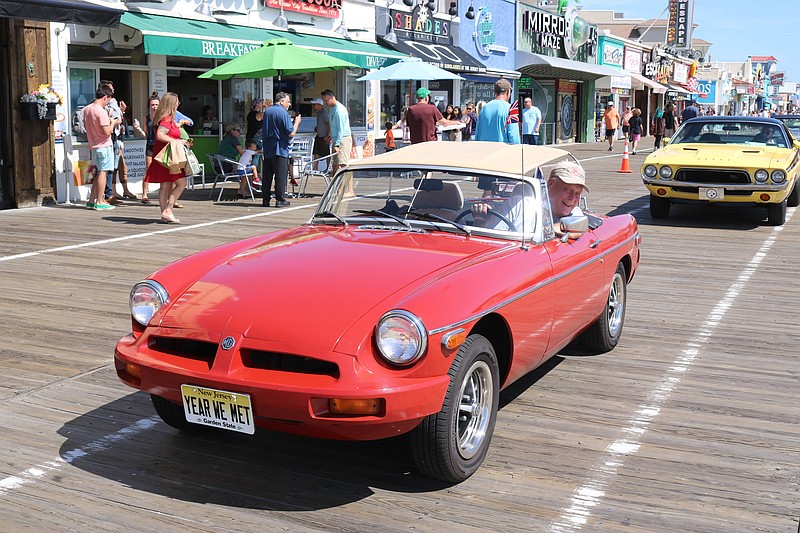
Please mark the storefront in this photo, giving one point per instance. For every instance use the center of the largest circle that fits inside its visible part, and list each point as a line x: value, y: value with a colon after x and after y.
x: 484, y: 38
x: 158, y: 53
x: 27, y: 166
x: 614, y: 89
x: 430, y: 36
x: 558, y: 55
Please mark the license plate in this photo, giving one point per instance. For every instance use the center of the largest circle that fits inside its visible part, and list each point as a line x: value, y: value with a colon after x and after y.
x: 712, y: 193
x: 218, y: 408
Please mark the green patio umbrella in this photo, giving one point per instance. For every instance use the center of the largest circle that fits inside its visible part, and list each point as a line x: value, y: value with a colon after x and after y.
x: 276, y: 57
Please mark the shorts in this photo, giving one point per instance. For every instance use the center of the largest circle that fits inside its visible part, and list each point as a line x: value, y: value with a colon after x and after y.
x: 610, y: 132
x: 148, y: 151
x: 635, y: 137
x: 342, y: 158
x: 103, y: 158
x: 249, y: 169
x: 321, y: 148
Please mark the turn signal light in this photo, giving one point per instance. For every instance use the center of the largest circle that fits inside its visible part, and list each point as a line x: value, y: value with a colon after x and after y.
x: 133, y: 370
x: 454, y: 339
x: 346, y: 406
x: 661, y: 191
x: 764, y: 197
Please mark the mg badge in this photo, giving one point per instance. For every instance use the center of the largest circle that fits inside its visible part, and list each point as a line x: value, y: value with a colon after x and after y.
x: 227, y: 343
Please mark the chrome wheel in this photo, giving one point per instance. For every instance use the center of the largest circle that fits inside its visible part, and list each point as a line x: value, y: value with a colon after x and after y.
x: 474, y: 409
x: 616, y: 305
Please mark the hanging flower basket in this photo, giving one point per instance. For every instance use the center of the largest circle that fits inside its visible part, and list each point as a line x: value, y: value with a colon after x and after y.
x: 40, y: 104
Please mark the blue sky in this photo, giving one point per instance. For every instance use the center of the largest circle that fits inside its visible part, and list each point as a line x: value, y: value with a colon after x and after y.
x: 738, y: 28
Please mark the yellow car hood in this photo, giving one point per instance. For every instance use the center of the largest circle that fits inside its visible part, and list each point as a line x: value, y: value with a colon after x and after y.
x: 722, y: 156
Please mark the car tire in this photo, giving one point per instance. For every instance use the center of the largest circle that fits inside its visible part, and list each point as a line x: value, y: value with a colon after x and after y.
x: 171, y: 413
x: 793, y: 200
x: 450, y: 445
x: 659, y: 207
x: 604, y: 334
x: 776, y: 214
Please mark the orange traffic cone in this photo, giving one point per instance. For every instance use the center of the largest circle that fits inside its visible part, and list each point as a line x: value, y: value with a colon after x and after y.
x: 626, y: 165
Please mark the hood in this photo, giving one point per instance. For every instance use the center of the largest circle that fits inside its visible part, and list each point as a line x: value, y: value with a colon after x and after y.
x: 729, y: 156
x: 307, y: 286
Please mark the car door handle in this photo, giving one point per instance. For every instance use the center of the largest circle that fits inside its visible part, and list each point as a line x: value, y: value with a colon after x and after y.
x: 595, y: 244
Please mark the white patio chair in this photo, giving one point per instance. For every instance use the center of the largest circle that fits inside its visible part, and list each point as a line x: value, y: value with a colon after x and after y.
x: 228, y: 170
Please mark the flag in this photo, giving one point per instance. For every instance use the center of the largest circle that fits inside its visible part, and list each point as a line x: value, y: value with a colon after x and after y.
x: 513, y: 113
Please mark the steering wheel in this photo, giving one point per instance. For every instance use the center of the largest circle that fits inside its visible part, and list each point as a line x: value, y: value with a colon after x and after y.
x: 511, y: 226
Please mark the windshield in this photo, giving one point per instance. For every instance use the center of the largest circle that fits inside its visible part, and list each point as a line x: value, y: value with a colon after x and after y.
x: 437, y: 200
x: 746, y: 133
x: 793, y: 124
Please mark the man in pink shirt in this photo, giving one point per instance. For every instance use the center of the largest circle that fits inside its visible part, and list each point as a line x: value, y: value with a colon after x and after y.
x: 99, y: 126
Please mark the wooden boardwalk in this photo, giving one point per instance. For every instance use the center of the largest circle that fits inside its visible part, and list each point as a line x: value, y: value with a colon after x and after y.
x: 691, y: 424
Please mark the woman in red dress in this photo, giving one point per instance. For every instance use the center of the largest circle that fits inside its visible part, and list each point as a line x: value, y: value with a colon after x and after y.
x: 172, y: 185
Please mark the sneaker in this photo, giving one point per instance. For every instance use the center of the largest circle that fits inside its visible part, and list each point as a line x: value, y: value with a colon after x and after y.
x: 103, y: 207
x: 282, y: 203
x: 610, y: 148
x: 633, y: 153
x: 257, y: 183
x: 90, y: 205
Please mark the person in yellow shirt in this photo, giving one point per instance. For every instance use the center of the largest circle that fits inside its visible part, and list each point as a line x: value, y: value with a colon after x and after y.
x: 611, y: 118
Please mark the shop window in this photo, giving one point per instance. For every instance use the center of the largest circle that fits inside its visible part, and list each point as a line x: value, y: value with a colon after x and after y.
x: 394, y: 99
x: 199, y: 99
x: 237, y: 97
x: 356, y: 101
x: 476, y: 91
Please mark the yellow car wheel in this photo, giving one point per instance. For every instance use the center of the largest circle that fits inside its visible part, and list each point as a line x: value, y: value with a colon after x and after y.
x: 776, y: 214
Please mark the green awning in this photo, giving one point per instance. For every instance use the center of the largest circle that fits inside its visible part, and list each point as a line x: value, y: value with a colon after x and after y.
x: 195, y: 38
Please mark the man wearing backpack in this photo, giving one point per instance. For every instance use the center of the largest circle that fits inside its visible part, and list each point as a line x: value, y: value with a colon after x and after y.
x: 99, y: 125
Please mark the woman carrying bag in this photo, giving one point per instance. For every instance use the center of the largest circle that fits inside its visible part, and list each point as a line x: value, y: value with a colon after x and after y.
x: 167, y: 133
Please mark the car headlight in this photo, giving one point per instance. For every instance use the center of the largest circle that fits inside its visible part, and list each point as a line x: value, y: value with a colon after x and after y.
x: 146, y: 299
x: 401, y: 338
x: 761, y: 175
x: 665, y: 172
x: 778, y: 176
x: 650, y: 171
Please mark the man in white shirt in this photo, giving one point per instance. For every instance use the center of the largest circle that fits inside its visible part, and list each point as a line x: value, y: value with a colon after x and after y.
x: 531, y: 121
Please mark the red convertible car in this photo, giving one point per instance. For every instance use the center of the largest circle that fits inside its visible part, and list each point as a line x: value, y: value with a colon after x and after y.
x: 392, y: 310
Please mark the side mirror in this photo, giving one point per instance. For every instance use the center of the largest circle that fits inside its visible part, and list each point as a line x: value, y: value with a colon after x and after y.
x: 574, y: 225
x: 796, y: 144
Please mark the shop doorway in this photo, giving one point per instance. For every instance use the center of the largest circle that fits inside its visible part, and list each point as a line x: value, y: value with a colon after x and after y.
x: 6, y: 163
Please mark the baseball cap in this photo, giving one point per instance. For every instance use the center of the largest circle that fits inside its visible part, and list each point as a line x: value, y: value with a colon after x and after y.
x: 571, y: 173
x: 233, y: 126
x: 317, y: 101
x: 610, y: 104
x: 422, y: 92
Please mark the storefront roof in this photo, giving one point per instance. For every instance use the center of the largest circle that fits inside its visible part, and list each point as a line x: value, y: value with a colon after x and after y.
x: 455, y: 58
x: 537, y: 65
x: 69, y: 11
x: 196, y: 38
x: 657, y: 87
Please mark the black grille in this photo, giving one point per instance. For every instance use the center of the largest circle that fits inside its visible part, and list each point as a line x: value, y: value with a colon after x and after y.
x: 713, y: 177
x: 187, y: 348
x: 288, y: 363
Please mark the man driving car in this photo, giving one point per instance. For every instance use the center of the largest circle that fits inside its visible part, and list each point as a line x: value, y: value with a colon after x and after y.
x: 566, y: 183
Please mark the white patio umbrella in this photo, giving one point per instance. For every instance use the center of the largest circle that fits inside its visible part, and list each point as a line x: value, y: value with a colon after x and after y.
x: 410, y: 68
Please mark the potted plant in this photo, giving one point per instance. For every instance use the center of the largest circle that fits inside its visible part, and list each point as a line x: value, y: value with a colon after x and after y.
x: 40, y: 103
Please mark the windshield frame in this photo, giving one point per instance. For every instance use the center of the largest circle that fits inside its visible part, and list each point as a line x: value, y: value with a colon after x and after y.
x: 401, y: 185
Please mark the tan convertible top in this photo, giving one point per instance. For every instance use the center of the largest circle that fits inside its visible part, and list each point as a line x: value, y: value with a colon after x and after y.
x: 477, y: 156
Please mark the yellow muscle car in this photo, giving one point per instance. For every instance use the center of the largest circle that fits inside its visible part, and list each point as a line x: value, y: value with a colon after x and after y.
x: 714, y: 159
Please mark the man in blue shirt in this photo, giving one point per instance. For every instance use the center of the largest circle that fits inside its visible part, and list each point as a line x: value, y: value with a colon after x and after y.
x: 531, y: 120
x: 277, y: 132
x: 691, y: 111
x: 341, y: 139
x: 494, y: 124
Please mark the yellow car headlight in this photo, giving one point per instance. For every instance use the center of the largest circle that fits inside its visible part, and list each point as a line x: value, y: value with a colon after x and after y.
x: 778, y: 176
x: 665, y: 172
x: 761, y: 175
x: 650, y: 171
